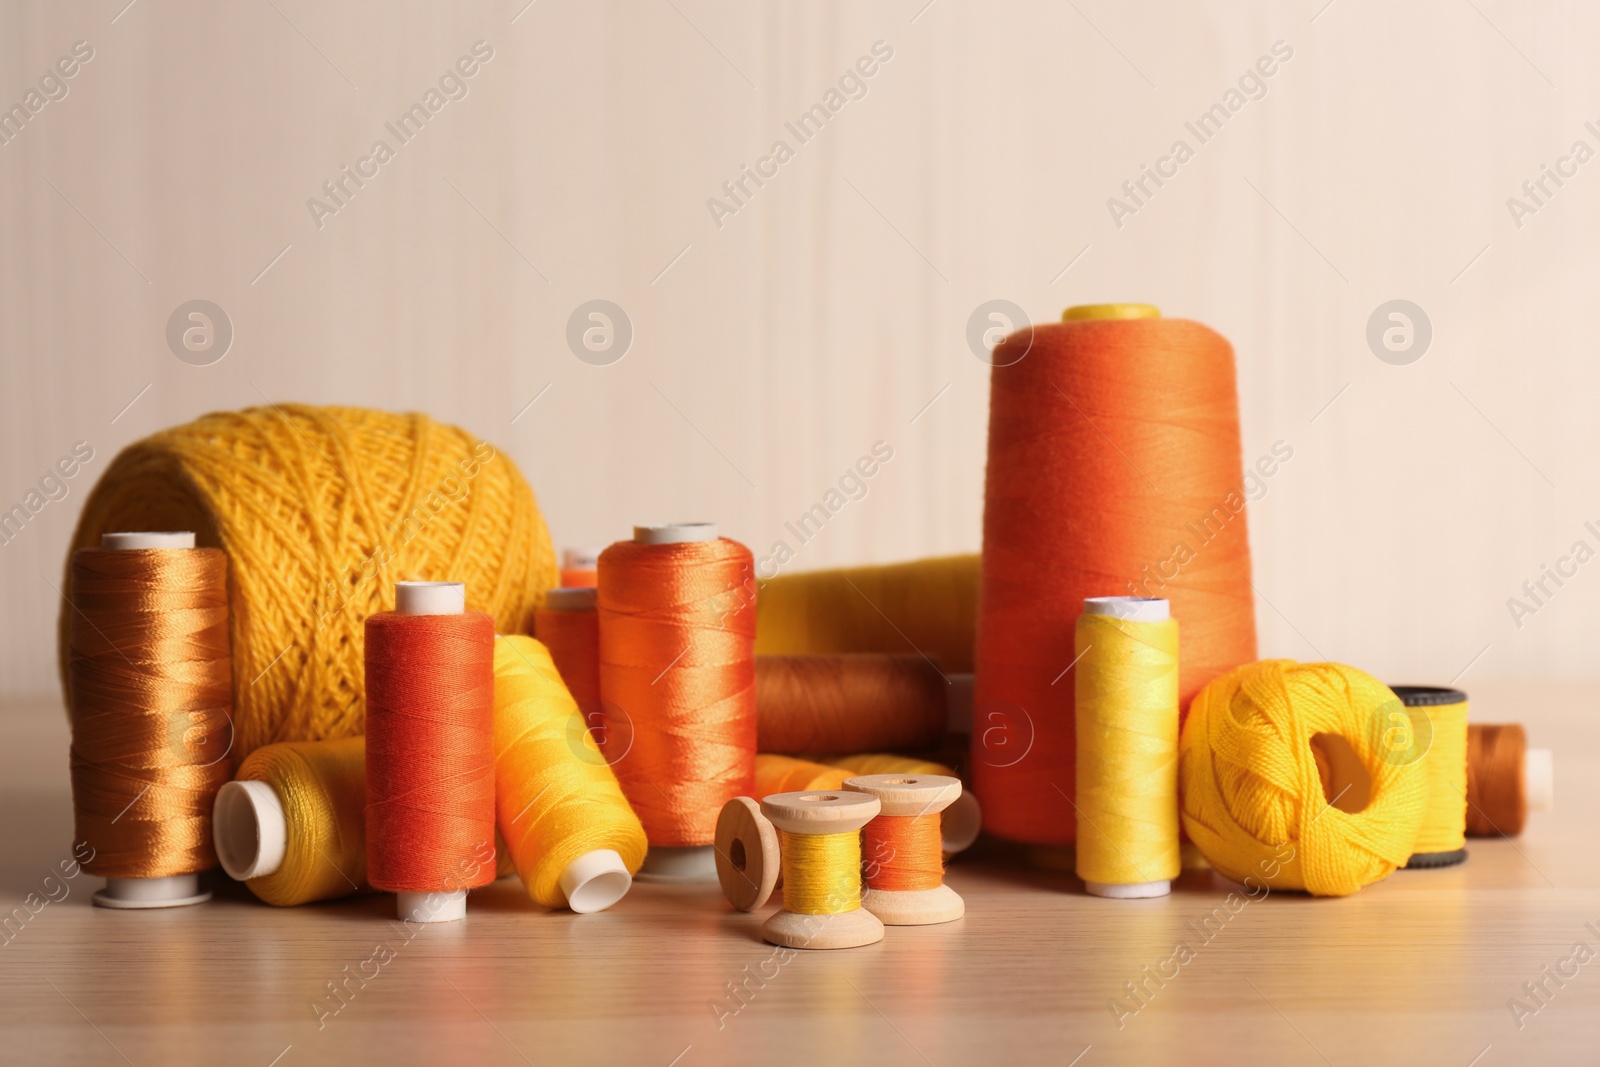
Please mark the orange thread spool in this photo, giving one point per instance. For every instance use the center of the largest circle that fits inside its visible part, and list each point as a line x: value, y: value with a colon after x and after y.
x: 568, y: 624
x: 579, y: 568
x: 677, y: 684
x: 849, y: 703
x: 1114, y: 468
x: 901, y: 859
x: 430, y: 750
x: 149, y: 693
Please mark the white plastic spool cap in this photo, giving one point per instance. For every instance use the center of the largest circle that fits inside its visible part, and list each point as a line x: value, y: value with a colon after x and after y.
x: 572, y: 598
x: 432, y: 907
x: 249, y: 829
x: 675, y: 533
x: 148, y: 539
x: 431, y: 598
x: 1539, y: 778
x: 595, y: 881
x: 580, y: 559
x: 180, y: 889
x: 1131, y: 609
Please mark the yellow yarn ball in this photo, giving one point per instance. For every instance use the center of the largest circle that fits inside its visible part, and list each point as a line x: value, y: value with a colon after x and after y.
x: 556, y: 798
x: 1290, y: 775
x: 321, y: 510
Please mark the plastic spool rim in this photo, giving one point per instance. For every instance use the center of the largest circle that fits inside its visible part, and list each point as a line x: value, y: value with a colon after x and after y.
x: 1129, y: 608
x: 1539, y: 779
x: 430, y: 598
x: 180, y: 889
x: 595, y: 881
x: 674, y: 533
x: 148, y: 539
x: 249, y: 830
x: 137, y: 894
x: 432, y: 907
x: 1137, y: 891
x: 580, y: 559
x: 696, y: 863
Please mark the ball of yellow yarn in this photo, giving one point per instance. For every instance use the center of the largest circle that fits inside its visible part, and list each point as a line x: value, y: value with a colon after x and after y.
x: 1290, y: 777
x: 555, y: 796
x: 321, y: 510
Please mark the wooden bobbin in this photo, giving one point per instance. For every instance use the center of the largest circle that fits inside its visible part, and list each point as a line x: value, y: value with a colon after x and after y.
x: 843, y: 812
x: 748, y: 860
x: 911, y: 795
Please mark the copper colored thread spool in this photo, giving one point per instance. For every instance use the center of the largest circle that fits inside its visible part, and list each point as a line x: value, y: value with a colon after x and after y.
x: 849, y: 703
x: 150, y: 685
x: 1505, y: 779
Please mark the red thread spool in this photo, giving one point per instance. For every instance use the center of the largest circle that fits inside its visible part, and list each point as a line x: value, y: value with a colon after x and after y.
x: 430, y: 750
x: 677, y: 684
x: 1111, y: 444
x: 568, y: 624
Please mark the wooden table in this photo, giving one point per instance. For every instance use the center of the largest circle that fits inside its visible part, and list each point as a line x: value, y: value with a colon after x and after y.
x: 1416, y: 970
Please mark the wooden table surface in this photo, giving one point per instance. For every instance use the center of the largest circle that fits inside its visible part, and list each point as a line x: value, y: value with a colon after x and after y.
x: 1416, y: 970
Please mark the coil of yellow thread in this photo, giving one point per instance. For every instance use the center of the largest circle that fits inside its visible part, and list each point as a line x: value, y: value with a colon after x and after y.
x: 818, y: 836
x: 575, y: 841
x: 1126, y: 700
x: 1288, y: 780
x: 785, y: 774
x: 293, y: 826
x: 821, y: 872
x: 1435, y: 728
x: 930, y: 603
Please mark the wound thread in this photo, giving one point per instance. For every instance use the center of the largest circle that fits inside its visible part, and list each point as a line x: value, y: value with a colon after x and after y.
x: 902, y: 852
x: 430, y: 752
x: 149, y: 698
x: 821, y: 872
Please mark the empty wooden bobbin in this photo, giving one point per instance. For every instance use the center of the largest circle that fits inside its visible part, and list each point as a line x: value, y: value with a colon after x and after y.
x: 821, y: 907
x: 904, y: 869
x: 748, y: 860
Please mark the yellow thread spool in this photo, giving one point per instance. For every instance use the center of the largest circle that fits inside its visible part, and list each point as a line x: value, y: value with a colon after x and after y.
x: 293, y: 825
x: 574, y: 839
x: 821, y: 870
x: 1441, y: 714
x: 1092, y: 312
x: 1127, y: 726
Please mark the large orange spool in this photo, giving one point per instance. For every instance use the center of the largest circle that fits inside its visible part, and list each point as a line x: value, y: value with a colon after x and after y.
x: 1115, y: 468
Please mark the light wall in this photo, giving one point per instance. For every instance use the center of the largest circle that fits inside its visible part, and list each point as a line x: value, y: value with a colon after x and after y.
x: 775, y: 345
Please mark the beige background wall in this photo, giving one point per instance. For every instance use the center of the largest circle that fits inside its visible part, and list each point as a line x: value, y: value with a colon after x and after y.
x: 830, y: 310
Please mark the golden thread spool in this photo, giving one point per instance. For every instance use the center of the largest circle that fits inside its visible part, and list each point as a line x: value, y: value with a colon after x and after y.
x: 901, y: 860
x: 573, y: 837
x: 785, y: 774
x: 1126, y: 708
x: 293, y: 825
x: 821, y: 847
x: 959, y: 824
x: 931, y: 603
x: 149, y: 697
x: 1505, y: 780
x: 1442, y: 712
